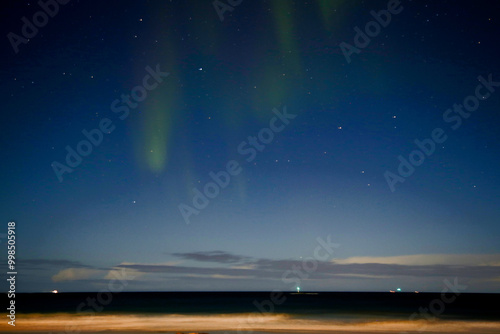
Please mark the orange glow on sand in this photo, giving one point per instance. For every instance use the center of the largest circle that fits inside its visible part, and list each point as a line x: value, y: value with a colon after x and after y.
x: 243, y: 322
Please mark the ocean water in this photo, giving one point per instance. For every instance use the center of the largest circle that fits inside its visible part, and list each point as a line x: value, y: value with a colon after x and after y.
x: 258, y: 312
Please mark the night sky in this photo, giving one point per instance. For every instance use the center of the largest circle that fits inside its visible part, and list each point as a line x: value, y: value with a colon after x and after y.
x: 318, y: 132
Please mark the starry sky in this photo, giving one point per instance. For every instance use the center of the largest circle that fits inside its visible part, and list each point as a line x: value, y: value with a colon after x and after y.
x: 228, y: 145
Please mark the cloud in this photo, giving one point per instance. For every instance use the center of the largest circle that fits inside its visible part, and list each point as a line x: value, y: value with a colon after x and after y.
x: 96, y: 275
x: 45, y: 264
x: 183, y: 270
x: 74, y: 274
x: 124, y: 274
x: 428, y: 266
x: 427, y: 259
x: 245, y: 266
x: 362, y: 276
x: 231, y: 277
x: 213, y: 256
x: 221, y: 269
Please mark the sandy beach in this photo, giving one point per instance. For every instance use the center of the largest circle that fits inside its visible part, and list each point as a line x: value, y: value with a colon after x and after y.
x: 236, y: 323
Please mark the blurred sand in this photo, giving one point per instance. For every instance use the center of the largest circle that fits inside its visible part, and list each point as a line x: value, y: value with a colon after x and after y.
x: 226, y: 324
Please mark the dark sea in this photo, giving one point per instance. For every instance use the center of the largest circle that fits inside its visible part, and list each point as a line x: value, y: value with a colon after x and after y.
x: 245, y: 312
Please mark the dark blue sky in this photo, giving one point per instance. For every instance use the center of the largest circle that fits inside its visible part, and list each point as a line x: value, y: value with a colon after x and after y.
x: 204, y: 91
